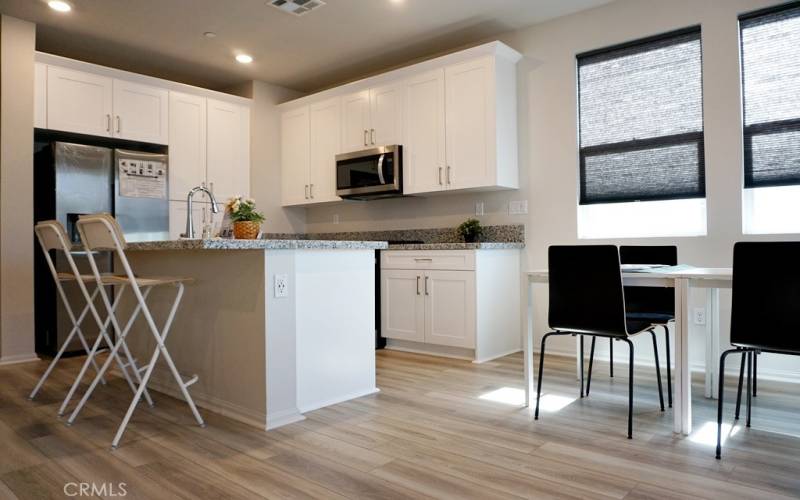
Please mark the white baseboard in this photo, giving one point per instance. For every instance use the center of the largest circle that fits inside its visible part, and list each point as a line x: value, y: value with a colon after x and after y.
x: 18, y: 358
x: 430, y: 349
x: 281, y: 418
x: 321, y: 404
x: 499, y: 355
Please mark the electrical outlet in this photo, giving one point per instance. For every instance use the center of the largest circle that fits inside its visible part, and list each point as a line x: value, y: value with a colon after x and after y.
x: 479, y: 208
x: 518, y: 207
x: 699, y: 316
x: 281, y: 285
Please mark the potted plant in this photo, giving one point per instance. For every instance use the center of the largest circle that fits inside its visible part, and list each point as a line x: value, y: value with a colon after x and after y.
x: 246, y: 221
x: 471, y: 230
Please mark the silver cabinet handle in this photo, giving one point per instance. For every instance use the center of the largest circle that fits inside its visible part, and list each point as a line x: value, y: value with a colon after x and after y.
x: 372, y: 135
x: 426, y: 285
x: 440, y: 176
x: 108, y: 123
x: 423, y: 259
x: 119, y: 124
x: 306, y: 191
x: 311, y: 190
x: 448, y: 174
x: 418, y: 285
x: 365, y: 136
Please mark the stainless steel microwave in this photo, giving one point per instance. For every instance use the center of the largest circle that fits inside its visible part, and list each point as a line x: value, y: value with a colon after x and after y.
x: 370, y: 173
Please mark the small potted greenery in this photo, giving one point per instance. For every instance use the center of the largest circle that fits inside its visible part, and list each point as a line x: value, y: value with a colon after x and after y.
x: 471, y: 230
x: 246, y: 221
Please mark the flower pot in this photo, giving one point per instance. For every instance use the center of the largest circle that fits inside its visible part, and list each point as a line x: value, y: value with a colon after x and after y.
x: 471, y: 238
x: 246, y: 230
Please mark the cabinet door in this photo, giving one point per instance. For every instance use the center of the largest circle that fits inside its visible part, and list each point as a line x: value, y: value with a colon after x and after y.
x: 228, y: 149
x: 40, y: 96
x: 424, y: 133
x: 386, y: 115
x: 187, y: 143
x: 325, y: 125
x: 140, y: 112
x: 469, y: 124
x: 78, y: 102
x: 295, y: 156
x: 450, y: 309
x: 355, y: 122
x: 402, y: 305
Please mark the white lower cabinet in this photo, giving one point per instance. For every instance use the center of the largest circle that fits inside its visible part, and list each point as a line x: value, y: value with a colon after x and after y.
x: 455, y: 303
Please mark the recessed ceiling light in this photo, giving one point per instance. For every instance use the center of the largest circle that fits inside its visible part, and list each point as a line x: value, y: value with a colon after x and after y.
x: 59, y: 5
x: 244, y: 58
x: 210, y: 34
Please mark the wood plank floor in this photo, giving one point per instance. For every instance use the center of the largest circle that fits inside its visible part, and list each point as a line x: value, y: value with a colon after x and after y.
x: 438, y: 429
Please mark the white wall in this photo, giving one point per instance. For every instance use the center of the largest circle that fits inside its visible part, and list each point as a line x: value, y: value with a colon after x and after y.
x: 17, y: 39
x: 548, y: 145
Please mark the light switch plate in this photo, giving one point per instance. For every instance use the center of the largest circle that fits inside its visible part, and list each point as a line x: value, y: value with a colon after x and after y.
x: 479, y: 208
x: 518, y: 207
x: 281, y: 286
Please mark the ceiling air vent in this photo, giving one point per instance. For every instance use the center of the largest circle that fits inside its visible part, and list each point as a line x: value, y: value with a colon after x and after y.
x: 296, y: 7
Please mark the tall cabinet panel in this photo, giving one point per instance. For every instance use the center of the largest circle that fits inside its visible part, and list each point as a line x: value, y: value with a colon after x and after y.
x: 228, y: 150
x: 424, y: 133
x: 79, y: 102
x: 187, y: 143
x: 295, y: 156
x: 40, y: 96
x: 325, y: 126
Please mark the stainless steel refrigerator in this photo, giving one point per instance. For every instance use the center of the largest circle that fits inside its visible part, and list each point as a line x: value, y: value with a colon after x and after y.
x: 71, y: 180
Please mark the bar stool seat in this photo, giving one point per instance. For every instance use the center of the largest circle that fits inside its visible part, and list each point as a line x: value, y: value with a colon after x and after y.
x: 157, y: 280
x: 108, y: 279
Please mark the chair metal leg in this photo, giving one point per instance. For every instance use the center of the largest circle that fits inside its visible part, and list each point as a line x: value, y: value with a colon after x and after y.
x: 611, y: 358
x: 755, y: 373
x: 591, y: 362
x: 630, y: 389
x: 750, y: 356
x: 658, y: 369
x: 739, y: 390
x: 581, y: 358
x: 719, y: 398
x: 669, y: 367
x: 541, y: 370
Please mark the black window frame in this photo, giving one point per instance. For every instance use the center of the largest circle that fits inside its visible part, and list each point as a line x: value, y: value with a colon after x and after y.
x: 764, y: 128
x: 697, y: 138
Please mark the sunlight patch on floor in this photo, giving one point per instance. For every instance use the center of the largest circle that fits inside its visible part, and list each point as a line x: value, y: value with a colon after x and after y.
x: 707, y: 433
x: 549, y: 403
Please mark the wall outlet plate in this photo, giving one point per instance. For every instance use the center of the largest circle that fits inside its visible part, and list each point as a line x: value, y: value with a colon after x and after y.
x: 479, y: 208
x: 281, y: 286
x: 699, y: 316
x: 519, y: 207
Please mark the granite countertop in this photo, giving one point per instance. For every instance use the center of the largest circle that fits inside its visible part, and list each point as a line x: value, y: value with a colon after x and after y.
x: 458, y: 246
x: 265, y: 244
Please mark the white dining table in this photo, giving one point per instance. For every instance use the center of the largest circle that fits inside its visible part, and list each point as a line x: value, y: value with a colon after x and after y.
x: 682, y: 279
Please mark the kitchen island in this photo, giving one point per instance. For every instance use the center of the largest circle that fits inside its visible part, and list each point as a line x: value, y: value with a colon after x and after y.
x: 273, y: 328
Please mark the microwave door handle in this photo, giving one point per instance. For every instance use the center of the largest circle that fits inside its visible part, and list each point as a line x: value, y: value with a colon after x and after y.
x: 380, y: 168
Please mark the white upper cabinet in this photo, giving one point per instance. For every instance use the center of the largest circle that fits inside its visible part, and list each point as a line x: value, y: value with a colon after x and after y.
x: 140, y: 112
x: 355, y: 121
x: 187, y: 143
x: 79, y: 102
x: 424, y: 133
x: 325, y: 124
x: 295, y: 157
x: 40, y: 96
x: 228, y: 149
x: 386, y: 115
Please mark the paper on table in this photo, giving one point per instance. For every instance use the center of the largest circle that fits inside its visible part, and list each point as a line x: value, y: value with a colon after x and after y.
x: 661, y: 269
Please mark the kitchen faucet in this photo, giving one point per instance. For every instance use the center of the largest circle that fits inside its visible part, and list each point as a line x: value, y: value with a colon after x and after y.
x: 189, y: 234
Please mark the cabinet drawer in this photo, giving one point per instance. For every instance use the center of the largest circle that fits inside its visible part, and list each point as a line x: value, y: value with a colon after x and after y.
x: 462, y: 260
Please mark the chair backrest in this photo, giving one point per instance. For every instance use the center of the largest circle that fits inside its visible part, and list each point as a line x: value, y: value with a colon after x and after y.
x: 766, y: 296
x: 586, y: 290
x: 101, y: 232
x: 52, y: 236
x: 648, y: 299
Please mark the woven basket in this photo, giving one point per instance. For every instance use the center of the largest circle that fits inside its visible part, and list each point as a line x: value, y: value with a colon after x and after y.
x: 246, y: 230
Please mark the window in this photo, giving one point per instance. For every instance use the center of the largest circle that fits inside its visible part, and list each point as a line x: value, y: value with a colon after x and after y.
x: 770, y: 51
x: 641, y: 138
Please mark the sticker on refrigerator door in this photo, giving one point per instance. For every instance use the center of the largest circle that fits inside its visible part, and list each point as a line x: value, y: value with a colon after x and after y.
x: 142, y: 178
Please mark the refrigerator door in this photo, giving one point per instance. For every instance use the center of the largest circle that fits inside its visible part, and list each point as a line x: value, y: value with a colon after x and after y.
x: 83, y: 185
x: 141, y: 201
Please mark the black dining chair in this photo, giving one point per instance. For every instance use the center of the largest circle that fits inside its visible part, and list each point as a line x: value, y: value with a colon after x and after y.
x: 763, y: 311
x: 653, y: 304
x: 587, y: 298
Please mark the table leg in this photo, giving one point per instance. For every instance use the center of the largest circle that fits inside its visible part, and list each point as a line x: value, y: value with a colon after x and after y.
x: 527, y: 334
x: 578, y: 360
x: 712, y: 342
x: 682, y: 404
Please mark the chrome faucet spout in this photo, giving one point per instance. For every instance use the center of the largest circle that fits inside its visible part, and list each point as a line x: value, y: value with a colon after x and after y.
x: 189, y: 223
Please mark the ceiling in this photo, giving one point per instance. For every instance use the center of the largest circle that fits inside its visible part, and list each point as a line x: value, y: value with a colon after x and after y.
x: 341, y: 41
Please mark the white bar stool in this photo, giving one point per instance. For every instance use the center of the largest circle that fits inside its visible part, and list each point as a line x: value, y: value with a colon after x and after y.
x: 101, y: 232
x: 52, y: 236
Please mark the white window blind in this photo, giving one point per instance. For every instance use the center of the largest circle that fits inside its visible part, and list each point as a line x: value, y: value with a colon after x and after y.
x: 771, y: 92
x: 641, y: 120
